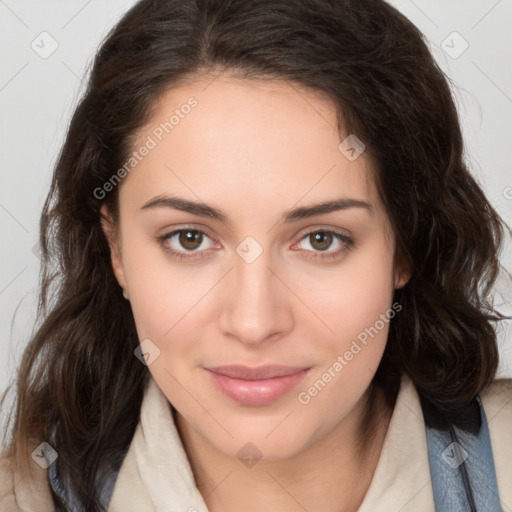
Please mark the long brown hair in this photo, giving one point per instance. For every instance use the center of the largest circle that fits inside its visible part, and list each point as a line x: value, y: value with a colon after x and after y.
x: 79, y: 386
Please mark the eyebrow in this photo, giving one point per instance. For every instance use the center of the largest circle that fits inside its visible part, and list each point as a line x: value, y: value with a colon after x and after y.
x: 291, y: 215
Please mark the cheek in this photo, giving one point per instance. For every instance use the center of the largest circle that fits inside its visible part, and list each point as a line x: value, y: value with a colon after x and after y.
x: 355, y: 306
x: 170, y: 303
x: 161, y: 291
x: 355, y: 295
x: 164, y: 305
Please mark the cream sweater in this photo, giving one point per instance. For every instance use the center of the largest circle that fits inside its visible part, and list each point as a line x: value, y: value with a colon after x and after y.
x: 156, y: 475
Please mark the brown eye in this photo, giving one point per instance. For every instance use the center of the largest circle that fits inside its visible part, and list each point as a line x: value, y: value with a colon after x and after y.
x: 321, y: 240
x: 186, y: 243
x: 326, y: 244
x: 188, y: 239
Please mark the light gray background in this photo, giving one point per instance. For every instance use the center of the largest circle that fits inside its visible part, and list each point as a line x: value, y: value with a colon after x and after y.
x: 37, y: 96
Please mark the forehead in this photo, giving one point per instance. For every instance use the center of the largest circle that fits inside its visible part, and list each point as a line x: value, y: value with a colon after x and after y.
x: 244, y: 143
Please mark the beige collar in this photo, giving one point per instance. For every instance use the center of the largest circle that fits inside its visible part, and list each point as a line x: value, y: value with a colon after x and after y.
x: 156, y: 475
x: 402, y: 477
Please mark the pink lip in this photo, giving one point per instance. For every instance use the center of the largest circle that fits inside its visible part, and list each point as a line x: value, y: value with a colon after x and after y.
x: 256, y: 386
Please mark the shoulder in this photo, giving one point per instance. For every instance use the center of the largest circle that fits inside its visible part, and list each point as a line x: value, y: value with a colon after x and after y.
x: 8, y: 501
x: 497, y: 404
x: 6, y: 481
x: 497, y: 401
x: 23, y: 492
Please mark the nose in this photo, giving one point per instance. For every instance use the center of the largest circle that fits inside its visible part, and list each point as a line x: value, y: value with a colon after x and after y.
x: 255, y: 305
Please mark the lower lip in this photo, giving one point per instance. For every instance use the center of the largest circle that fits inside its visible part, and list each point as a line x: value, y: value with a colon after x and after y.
x: 256, y: 392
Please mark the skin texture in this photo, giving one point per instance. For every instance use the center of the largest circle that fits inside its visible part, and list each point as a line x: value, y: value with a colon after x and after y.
x: 255, y: 149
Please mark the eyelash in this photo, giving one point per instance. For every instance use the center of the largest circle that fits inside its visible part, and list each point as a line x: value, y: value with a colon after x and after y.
x: 347, y: 242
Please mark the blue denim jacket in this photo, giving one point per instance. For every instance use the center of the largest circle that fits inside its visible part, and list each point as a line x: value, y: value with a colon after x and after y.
x: 461, y: 461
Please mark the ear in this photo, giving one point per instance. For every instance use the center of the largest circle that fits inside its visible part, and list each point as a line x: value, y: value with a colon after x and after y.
x: 113, y: 238
x: 402, y: 268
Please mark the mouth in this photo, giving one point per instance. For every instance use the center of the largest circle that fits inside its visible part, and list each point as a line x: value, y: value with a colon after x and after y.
x: 256, y: 386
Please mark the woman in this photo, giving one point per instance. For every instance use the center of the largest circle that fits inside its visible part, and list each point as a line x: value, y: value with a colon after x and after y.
x: 266, y: 271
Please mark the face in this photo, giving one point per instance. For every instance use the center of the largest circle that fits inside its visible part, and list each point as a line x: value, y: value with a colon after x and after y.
x: 253, y: 283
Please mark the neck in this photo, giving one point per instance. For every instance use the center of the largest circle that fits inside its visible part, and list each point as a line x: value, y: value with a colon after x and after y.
x: 332, y: 474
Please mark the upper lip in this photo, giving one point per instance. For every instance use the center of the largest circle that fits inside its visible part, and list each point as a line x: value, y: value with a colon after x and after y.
x: 261, y: 372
